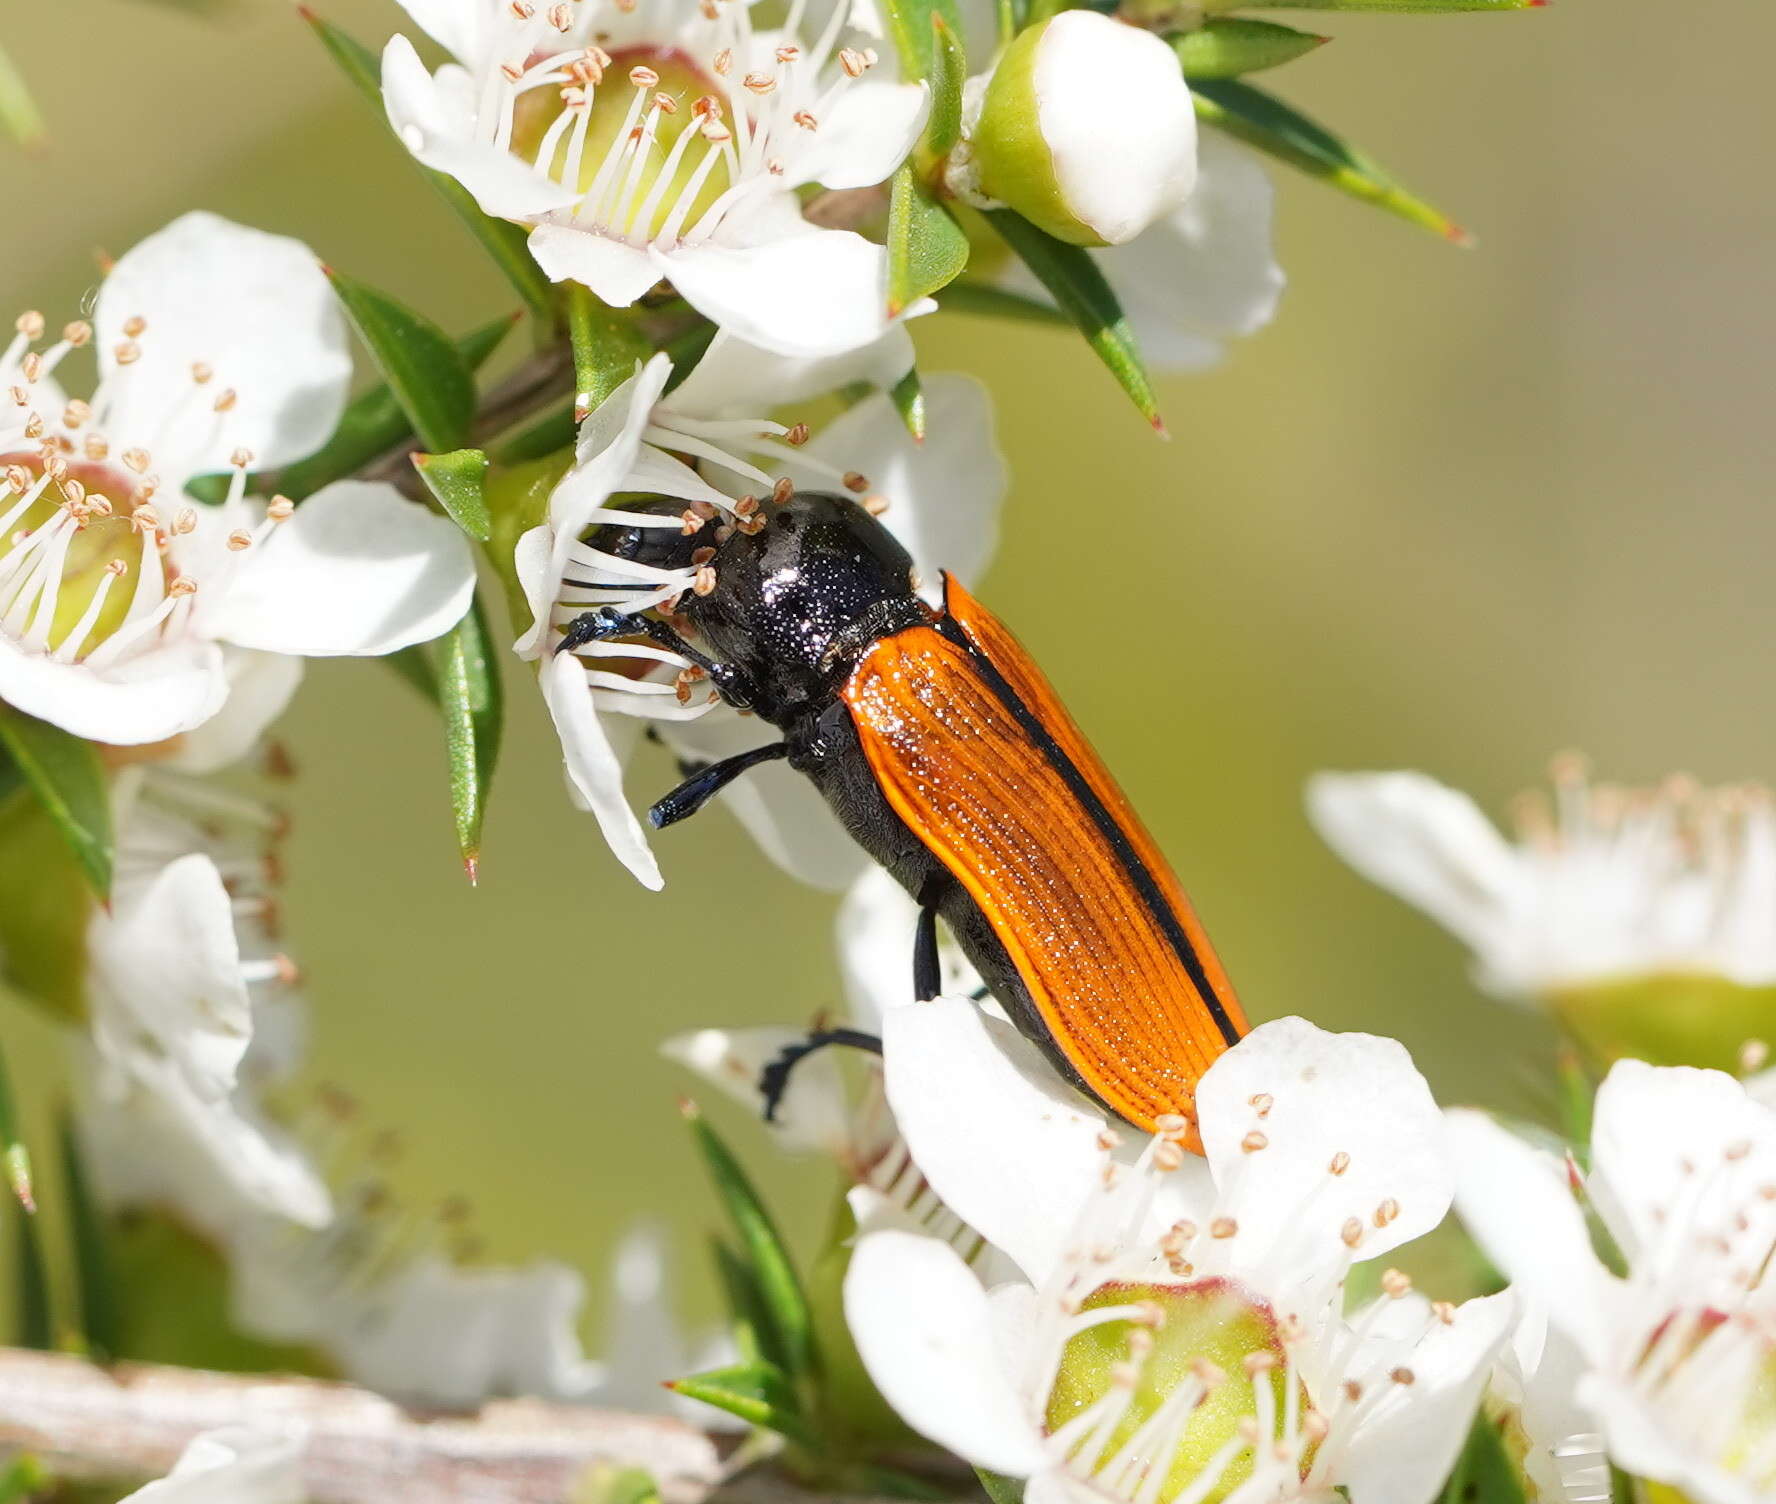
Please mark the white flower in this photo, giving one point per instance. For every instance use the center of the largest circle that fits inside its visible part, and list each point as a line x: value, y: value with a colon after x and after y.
x: 1616, y: 884
x: 667, y: 138
x: 1177, y: 1333
x: 1085, y: 128
x: 127, y: 611
x: 1534, y: 1391
x: 940, y: 499
x: 1678, y: 1354
x: 192, y: 1011
x: 240, y: 1464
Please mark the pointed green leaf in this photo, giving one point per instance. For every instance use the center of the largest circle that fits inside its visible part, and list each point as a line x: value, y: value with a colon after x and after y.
x: 746, y: 1306
x: 69, y: 781
x: 507, y: 244
x: 18, y: 110
x: 374, y: 424
x: 1000, y: 1489
x: 427, y: 374
x: 927, y: 249
x: 909, y: 23
x: 553, y: 431
x: 606, y: 346
x: 22, y: 1478
x: 1073, y: 278
x: 14, y: 1157
x: 908, y: 397
x: 984, y: 299
x: 949, y: 71
x: 94, y: 1283
x: 1264, y: 121
x: 46, y: 902
x: 456, y: 479
x: 757, y: 1393
x: 1229, y: 47
x: 1484, y: 1472
x: 788, y: 1326
x: 33, y: 1318
x: 465, y: 663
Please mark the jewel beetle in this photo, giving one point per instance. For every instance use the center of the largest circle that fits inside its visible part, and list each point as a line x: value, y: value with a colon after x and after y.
x: 945, y: 753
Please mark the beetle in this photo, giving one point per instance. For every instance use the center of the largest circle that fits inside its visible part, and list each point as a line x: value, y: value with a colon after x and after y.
x: 945, y: 753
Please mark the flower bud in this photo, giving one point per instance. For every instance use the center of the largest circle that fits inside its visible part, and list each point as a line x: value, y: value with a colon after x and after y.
x: 1672, y: 1018
x: 1086, y: 129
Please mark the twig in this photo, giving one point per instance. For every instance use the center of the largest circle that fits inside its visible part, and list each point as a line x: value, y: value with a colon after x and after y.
x: 133, y: 1420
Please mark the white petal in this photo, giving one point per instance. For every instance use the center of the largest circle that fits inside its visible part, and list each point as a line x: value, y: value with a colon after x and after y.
x: 1330, y: 1094
x: 358, y: 570
x: 780, y: 808
x: 1402, y: 1453
x: 1516, y: 1203
x: 925, y: 1333
x: 232, y: 1465
x: 644, y: 1344
x: 166, y: 975
x: 1206, y: 272
x: 733, y: 376
x: 260, y: 688
x: 865, y: 135
x: 430, y: 117
x: 1118, y: 121
x: 875, y: 930
x: 143, y: 699
x: 944, y: 494
x: 813, y: 1114
x: 593, y: 767
x: 617, y: 273
x: 1642, y: 1441
x: 461, y: 27
x: 1539, y: 1373
x: 819, y: 293
x: 1428, y: 844
x: 258, y: 310
x: 1007, y: 1147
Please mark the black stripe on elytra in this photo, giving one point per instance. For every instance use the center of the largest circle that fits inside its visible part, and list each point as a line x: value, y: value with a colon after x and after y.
x: 1137, y: 870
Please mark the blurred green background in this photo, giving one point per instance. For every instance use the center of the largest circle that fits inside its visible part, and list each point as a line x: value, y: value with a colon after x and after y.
x: 1456, y: 510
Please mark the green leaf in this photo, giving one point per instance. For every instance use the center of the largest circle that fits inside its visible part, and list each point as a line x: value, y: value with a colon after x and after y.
x: 949, y: 71
x: 1264, y: 121
x: 1407, y: 7
x: 606, y: 347
x: 46, y: 903
x: 1484, y: 1472
x: 909, y: 23
x: 927, y: 249
x: 1073, y: 278
x: 553, y: 431
x: 33, y: 1318
x: 908, y: 397
x: 427, y: 374
x: 456, y: 480
x: 787, y: 1332
x: 18, y: 110
x: 466, y: 662
x: 507, y: 244
x: 607, y: 1483
x: 69, y: 781
x: 746, y: 1306
x: 415, y: 667
x: 1229, y: 47
x: 21, y: 1478
x: 1000, y: 1489
x: 984, y: 299
x: 375, y: 423
x: 94, y: 1283
x: 758, y: 1393
x: 14, y: 1157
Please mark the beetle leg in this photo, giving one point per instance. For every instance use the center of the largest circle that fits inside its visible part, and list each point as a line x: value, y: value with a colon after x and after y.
x: 708, y: 781
x: 927, y: 968
x: 606, y: 621
x: 773, y: 1080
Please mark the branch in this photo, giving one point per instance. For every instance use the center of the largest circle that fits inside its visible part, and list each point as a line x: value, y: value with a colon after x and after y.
x: 133, y: 1420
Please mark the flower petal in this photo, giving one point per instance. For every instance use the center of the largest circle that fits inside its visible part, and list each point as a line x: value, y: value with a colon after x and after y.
x: 433, y: 118
x: 260, y: 688
x: 820, y: 292
x: 1346, y: 1132
x: 461, y: 27
x: 943, y: 494
x: 258, y: 311
x: 780, y: 808
x: 143, y: 699
x: 357, y: 571
x: 875, y: 930
x: 813, y: 1115
x: 865, y: 135
x: 732, y: 374
x: 1007, y: 1147
x: 1516, y: 1202
x: 239, y: 1464
x: 593, y: 768
x: 617, y: 273
x: 924, y: 1330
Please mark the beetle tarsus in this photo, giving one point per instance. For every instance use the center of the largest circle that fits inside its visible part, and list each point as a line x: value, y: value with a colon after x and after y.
x: 773, y: 1080
x: 706, y: 782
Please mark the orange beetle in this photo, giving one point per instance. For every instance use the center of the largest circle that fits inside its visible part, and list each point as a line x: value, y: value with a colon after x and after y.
x: 946, y: 754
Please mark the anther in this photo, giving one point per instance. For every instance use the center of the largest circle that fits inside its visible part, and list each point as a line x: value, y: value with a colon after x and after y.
x: 1444, y: 1311
x: 1262, y: 1103
x: 522, y: 10
x: 702, y: 556
x: 73, y: 493
x: 241, y: 459
x: 1223, y: 1227
x: 1395, y: 1283
x: 225, y: 403
x: 643, y: 77
x: 280, y: 509
x: 183, y: 586
x: 703, y: 583
x: 127, y: 352
x: 185, y: 522
x: 238, y: 540
x: 1738, y: 1150
x: 1340, y: 1163
x: 855, y: 483
x: 806, y: 120
x: 665, y: 104
x: 1352, y: 1233
x: 788, y: 53
x: 723, y: 61
x: 561, y: 17
x: 20, y: 397
x: 692, y: 522
x: 1386, y: 1212
x: 746, y: 506
x: 135, y: 326
x: 202, y: 372
x: 30, y: 324
x: 18, y: 478
x: 797, y: 436
x: 1353, y: 1391
x: 852, y: 61
x: 95, y: 447
x: 783, y: 490
x: 1402, y: 1375
x: 758, y: 83
x: 1254, y: 1141
x: 31, y: 367
x: 117, y: 569
x: 1257, y: 1363
x: 512, y: 72
x: 79, y: 332
x: 1167, y: 1157
x: 875, y: 504
x: 75, y: 413
x: 138, y: 460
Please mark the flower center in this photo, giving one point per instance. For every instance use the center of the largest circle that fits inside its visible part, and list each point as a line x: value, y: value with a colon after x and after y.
x: 1172, y: 1392
x: 1715, y: 1375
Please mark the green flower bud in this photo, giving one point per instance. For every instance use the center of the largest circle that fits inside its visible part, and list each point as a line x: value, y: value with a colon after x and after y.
x: 1671, y: 1019
x: 1086, y: 129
